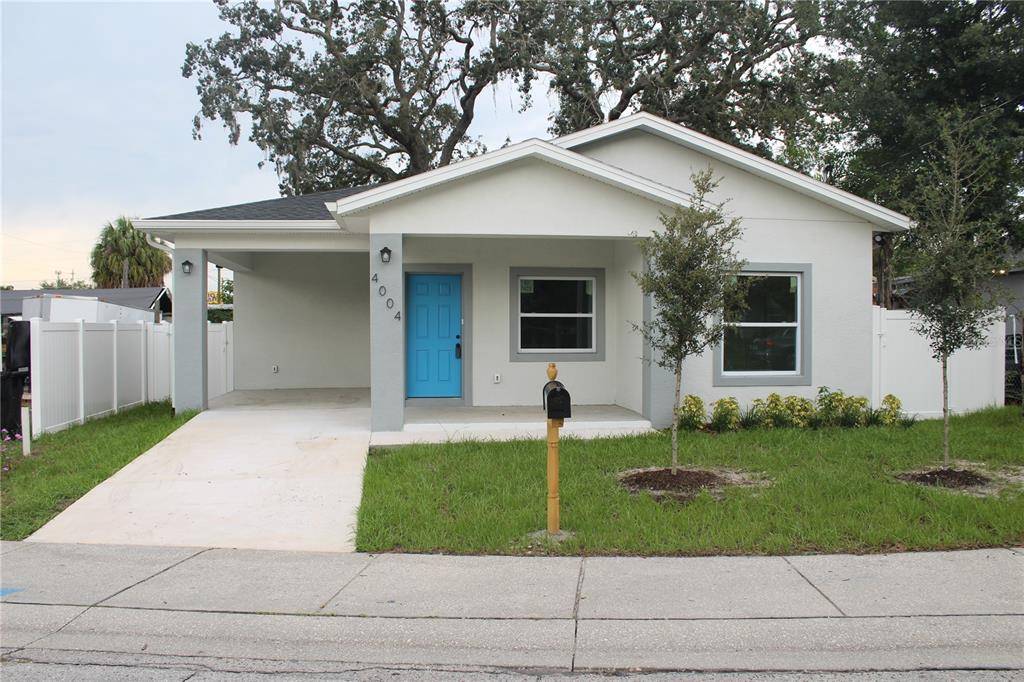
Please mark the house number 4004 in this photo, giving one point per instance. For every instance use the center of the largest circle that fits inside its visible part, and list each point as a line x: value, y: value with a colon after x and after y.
x: 382, y: 291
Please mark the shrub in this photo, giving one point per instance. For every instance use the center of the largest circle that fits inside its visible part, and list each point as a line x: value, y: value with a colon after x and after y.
x: 873, y: 417
x: 800, y: 410
x: 691, y: 413
x: 774, y: 413
x: 907, y: 420
x: 829, y: 406
x: 853, y: 411
x: 750, y: 417
x: 891, y: 410
x: 725, y: 415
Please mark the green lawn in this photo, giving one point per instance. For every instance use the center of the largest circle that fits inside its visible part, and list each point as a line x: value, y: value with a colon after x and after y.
x: 832, y: 491
x: 65, y: 465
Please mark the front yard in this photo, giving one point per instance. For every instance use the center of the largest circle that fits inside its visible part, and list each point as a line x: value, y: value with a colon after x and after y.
x: 831, y: 490
x: 65, y: 465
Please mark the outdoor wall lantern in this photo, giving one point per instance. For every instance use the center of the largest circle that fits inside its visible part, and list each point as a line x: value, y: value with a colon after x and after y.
x: 385, y: 255
x: 186, y: 267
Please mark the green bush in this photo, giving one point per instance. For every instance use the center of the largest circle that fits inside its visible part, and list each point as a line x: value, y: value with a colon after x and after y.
x: 692, y: 415
x: 800, y: 410
x: 891, y: 410
x: 829, y: 406
x: 725, y: 415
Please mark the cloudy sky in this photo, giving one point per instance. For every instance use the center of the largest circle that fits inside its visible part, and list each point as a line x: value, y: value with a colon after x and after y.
x: 97, y: 122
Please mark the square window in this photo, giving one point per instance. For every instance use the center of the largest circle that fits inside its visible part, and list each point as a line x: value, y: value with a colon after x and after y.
x: 556, y: 314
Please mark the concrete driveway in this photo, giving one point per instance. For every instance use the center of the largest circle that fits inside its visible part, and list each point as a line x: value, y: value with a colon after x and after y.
x: 259, y: 470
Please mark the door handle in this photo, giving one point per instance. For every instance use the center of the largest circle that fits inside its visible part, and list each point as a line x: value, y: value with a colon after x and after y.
x: 458, y: 351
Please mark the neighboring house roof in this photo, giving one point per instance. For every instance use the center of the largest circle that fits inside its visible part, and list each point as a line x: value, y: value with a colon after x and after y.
x: 726, y: 153
x: 302, y: 207
x: 142, y: 298
x: 530, y: 149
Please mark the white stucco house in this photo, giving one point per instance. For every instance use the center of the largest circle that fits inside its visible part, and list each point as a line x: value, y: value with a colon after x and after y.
x: 462, y: 283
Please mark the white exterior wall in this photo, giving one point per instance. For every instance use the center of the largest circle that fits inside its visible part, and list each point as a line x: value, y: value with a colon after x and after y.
x: 307, y: 313
x: 590, y: 383
x: 780, y: 226
x: 629, y: 342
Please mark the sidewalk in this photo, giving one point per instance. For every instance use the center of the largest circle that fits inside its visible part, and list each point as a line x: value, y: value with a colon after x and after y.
x: 274, y: 611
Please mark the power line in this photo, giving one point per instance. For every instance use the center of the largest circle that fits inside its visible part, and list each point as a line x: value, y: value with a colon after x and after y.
x: 44, y: 244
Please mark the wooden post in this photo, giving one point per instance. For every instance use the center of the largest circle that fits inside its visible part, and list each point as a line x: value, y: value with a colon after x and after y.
x: 553, y: 501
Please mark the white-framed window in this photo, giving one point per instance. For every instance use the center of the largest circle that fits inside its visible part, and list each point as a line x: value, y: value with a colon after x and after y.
x: 766, y: 339
x: 557, y: 314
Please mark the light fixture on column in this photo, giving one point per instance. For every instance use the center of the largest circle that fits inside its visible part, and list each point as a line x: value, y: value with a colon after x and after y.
x: 186, y: 267
x: 385, y: 255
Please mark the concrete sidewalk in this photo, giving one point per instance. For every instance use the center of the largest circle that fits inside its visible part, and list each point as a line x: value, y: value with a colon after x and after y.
x: 263, y: 611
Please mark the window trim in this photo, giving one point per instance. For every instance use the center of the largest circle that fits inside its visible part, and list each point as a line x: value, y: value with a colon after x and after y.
x: 595, y: 353
x: 802, y: 375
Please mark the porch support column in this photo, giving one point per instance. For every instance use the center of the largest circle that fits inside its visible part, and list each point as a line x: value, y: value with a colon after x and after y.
x: 659, y: 383
x: 387, y: 335
x: 189, y: 330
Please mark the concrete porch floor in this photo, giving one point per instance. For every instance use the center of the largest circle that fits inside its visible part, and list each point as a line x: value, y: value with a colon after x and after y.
x: 437, y: 421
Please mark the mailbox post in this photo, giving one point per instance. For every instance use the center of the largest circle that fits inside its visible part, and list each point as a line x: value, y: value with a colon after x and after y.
x: 557, y: 403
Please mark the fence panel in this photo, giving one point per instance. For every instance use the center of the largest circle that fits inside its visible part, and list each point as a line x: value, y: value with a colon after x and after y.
x: 99, y: 368
x: 905, y: 368
x: 55, y: 356
x: 130, y: 365
x: 216, y: 364
x: 158, y: 360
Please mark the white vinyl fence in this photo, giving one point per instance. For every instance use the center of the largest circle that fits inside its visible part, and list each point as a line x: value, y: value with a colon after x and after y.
x: 84, y: 370
x: 903, y: 366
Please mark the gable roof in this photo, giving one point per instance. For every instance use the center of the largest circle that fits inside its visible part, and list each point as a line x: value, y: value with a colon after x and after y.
x: 726, y: 153
x: 302, y: 207
x: 530, y: 149
x: 142, y: 298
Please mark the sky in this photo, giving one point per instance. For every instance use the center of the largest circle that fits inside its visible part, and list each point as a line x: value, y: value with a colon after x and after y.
x: 97, y: 122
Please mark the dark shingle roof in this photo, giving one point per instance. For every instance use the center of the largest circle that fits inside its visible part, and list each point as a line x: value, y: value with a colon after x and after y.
x: 303, y: 207
x: 143, y: 298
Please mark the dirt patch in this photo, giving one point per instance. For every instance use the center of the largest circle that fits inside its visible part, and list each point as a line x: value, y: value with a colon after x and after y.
x: 947, y: 478
x: 969, y: 478
x: 684, y: 484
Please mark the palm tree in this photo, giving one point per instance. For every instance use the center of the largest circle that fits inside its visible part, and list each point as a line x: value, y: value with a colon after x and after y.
x: 123, y: 258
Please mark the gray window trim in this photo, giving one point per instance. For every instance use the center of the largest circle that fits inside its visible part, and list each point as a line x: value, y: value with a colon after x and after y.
x: 754, y: 378
x: 513, y: 314
x: 466, y: 270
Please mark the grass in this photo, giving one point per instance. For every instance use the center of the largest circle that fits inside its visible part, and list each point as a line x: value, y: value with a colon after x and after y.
x: 832, y: 490
x: 65, y: 465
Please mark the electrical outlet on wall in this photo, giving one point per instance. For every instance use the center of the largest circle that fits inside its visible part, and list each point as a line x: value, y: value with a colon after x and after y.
x: 275, y: 369
x: 497, y: 378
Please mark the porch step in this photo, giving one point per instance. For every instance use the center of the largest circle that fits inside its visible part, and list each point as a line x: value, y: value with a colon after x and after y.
x: 426, y: 432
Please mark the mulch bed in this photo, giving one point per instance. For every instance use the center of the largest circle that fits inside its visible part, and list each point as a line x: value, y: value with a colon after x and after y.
x: 685, y: 484
x: 946, y: 478
x: 683, y: 480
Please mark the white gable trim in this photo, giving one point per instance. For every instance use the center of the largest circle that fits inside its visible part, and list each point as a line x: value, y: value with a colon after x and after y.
x: 726, y: 153
x: 530, y: 149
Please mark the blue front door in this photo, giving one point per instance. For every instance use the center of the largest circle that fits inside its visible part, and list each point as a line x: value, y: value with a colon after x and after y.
x: 433, y: 336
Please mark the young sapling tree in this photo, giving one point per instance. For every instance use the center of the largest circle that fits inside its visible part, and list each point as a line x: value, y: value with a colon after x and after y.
x: 954, y: 249
x: 692, y: 274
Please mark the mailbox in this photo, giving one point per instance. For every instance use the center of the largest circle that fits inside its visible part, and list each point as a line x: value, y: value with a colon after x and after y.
x: 556, y: 401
